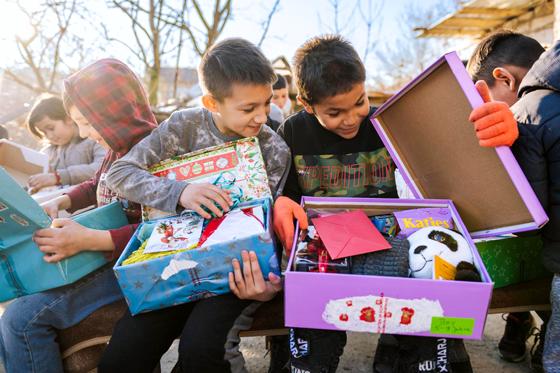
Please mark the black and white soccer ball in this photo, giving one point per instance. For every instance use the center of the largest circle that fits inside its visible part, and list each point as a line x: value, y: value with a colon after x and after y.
x: 428, y: 242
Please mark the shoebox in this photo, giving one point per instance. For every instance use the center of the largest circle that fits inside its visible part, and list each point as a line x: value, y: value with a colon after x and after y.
x: 194, y: 274
x: 511, y: 260
x: 22, y: 267
x: 21, y: 162
x: 235, y: 165
x: 425, y: 127
x: 202, y: 272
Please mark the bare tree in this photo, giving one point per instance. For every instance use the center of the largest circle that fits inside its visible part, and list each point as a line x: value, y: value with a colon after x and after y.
x: 152, y: 37
x: 403, y: 59
x: 44, y: 51
x: 266, y: 23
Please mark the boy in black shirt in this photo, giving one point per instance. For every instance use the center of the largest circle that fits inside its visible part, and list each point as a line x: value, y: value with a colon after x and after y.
x: 337, y: 153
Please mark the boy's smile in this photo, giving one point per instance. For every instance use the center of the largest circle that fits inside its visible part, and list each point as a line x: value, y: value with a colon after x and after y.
x: 343, y: 113
x: 243, y: 112
x: 85, y: 128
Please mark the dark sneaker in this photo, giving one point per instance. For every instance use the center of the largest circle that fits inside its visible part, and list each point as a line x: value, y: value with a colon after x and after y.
x: 279, y: 349
x: 408, y: 354
x: 512, y: 345
x: 315, y: 351
x: 537, y: 349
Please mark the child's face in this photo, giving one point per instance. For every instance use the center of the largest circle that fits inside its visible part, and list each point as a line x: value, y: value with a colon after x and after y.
x: 280, y: 97
x: 86, y: 129
x: 342, y: 113
x: 244, y: 112
x: 57, y: 131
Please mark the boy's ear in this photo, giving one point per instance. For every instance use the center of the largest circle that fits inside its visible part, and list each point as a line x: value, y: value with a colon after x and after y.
x: 308, y: 108
x: 503, y: 75
x: 210, y: 103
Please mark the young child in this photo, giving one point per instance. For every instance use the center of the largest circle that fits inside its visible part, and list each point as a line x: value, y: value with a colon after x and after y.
x: 107, y: 102
x: 72, y: 159
x: 237, y: 81
x: 509, y: 63
x: 333, y: 139
x: 281, y: 96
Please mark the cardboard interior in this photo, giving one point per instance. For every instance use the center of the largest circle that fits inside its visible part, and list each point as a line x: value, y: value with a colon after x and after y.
x: 445, y: 161
x: 21, y: 162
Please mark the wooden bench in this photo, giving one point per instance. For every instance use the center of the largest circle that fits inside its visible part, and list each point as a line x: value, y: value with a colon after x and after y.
x: 83, y: 344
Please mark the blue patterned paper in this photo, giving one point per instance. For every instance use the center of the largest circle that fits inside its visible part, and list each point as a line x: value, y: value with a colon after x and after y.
x: 145, y: 288
x: 22, y: 268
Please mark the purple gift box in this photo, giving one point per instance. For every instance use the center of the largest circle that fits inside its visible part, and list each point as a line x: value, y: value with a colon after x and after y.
x: 425, y: 127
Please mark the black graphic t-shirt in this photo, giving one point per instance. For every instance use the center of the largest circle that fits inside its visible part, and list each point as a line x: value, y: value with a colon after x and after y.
x: 326, y: 165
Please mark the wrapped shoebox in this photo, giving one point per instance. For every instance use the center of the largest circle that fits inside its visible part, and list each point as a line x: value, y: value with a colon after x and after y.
x: 426, y: 130
x: 21, y: 162
x: 237, y: 164
x: 511, y: 260
x: 22, y: 267
x: 203, y: 271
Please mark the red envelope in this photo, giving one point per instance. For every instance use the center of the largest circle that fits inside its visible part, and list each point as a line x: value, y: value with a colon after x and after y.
x: 349, y: 234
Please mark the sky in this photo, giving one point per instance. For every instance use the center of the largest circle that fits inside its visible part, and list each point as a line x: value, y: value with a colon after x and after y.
x: 293, y: 23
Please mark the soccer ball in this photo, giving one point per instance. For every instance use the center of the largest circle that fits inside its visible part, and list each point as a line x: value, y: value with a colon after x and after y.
x: 428, y: 242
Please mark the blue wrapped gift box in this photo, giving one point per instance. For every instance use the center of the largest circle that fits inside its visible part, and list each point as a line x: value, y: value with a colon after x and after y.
x: 22, y: 268
x: 175, y: 279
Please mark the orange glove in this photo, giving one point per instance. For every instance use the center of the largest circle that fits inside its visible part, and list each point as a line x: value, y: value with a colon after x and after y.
x: 493, y: 121
x: 285, y: 211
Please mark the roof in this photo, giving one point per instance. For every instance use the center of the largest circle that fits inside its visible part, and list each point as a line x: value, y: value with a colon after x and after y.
x: 479, y: 17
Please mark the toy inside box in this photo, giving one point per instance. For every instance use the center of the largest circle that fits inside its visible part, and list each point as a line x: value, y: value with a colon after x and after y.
x: 374, y: 292
x: 511, y: 260
x: 184, y: 258
x: 22, y: 267
x: 21, y: 162
x: 236, y: 166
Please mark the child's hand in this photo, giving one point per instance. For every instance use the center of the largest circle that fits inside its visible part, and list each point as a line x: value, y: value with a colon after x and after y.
x: 53, y: 206
x: 66, y: 238
x: 195, y: 196
x: 250, y: 283
x: 39, y: 181
x: 284, y: 213
x: 493, y: 121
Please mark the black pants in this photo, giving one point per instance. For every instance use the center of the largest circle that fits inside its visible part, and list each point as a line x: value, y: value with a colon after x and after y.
x: 206, y: 328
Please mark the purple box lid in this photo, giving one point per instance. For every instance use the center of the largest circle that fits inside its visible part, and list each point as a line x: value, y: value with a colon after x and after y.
x: 426, y: 130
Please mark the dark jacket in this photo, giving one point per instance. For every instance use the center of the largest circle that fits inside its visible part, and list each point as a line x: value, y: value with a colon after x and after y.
x: 538, y: 148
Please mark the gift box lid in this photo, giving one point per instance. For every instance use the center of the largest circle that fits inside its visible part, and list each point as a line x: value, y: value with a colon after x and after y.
x: 426, y: 130
x: 21, y: 162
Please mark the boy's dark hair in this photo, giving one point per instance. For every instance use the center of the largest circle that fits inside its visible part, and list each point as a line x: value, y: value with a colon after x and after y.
x: 280, y: 82
x: 326, y: 66
x: 45, y: 106
x: 233, y: 61
x: 503, y: 47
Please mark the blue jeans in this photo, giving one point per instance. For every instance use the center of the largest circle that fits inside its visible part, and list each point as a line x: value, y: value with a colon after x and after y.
x: 28, y: 327
x: 551, y: 354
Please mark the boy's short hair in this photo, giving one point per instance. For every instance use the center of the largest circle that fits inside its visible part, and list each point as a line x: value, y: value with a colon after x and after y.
x: 503, y: 47
x: 326, y: 66
x: 45, y: 106
x: 280, y: 82
x: 232, y: 61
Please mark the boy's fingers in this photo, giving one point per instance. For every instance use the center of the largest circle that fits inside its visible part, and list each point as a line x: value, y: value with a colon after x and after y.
x: 60, y: 223
x: 288, y: 234
x: 218, y: 198
x: 495, y: 141
x: 301, y: 217
x: 275, y: 282
x: 209, y: 204
x: 232, y: 285
x: 47, y: 248
x: 256, y: 268
x: 487, y: 109
x: 200, y: 211
x: 47, y: 232
x: 491, y: 132
x: 489, y: 120
x: 43, y: 241
x: 483, y: 90
x: 223, y: 193
x: 247, y: 272
x: 238, y: 276
x: 53, y: 258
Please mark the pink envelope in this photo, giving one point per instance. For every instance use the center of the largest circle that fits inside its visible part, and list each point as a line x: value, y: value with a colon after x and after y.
x: 349, y: 234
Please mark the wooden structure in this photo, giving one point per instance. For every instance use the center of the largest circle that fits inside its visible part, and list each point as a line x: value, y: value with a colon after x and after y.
x: 477, y: 18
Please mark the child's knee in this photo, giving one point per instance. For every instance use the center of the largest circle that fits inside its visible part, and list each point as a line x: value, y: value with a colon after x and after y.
x: 15, y: 320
